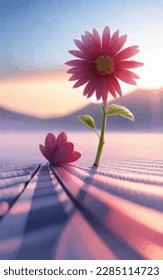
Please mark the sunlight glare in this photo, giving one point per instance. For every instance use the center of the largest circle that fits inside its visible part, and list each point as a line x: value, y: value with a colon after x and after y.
x: 151, y: 73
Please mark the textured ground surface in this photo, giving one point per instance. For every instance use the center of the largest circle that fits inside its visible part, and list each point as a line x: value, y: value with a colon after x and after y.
x: 79, y: 212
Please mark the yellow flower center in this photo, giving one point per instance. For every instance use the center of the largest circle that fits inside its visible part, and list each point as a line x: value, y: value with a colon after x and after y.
x: 104, y: 64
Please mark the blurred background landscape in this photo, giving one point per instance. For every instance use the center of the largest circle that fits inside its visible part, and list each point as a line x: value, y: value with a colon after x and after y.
x: 36, y: 96
x: 146, y: 107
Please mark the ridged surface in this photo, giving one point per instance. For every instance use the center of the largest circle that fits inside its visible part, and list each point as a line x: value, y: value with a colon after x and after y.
x: 55, y: 213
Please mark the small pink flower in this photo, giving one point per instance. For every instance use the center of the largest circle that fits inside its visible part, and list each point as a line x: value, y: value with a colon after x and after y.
x: 101, y: 62
x: 58, y: 150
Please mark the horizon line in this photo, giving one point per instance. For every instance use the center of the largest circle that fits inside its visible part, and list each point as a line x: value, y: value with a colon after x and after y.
x: 53, y: 116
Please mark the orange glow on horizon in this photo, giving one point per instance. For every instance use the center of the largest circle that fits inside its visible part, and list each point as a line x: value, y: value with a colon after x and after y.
x: 49, y: 93
x: 42, y: 94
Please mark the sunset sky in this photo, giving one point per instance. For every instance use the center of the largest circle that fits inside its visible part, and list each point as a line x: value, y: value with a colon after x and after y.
x: 36, y: 37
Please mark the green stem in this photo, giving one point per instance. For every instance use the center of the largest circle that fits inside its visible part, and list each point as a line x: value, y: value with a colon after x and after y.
x: 101, y: 140
x: 97, y: 133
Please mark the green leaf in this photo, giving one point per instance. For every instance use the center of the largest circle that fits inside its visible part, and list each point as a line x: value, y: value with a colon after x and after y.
x: 121, y: 111
x: 87, y: 120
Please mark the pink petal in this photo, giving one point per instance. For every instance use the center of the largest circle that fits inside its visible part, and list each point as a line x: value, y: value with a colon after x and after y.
x: 78, y: 69
x: 80, y: 54
x: 103, y: 88
x: 50, y: 142
x: 88, y: 88
x: 111, y: 89
x: 116, y: 85
x: 61, y: 139
x: 91, y: 91
x: 105, y: 96
x: 126, y: 53
x: 113, y: 40
x: 70, y: 146
x: 128, y: 73
x: 97, y: 39
x: 87, y: 40
x: 84, y: 48
x: 118, y: 46
x: 63, y: 153
x: 130, y: 64
x: 106, y: 39
x: 73, y: 78
x: 43, y: 151
x: 100, y: 84
x: 77, y: 62
x: 80, y: 83
x: 122, y: 75
x: 98, y: 93
x: 80, y: 45
x: 91, y: 44
x: 83, y: 75
x: 74, y: 156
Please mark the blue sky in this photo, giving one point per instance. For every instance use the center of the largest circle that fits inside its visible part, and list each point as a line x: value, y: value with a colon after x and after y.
x: 37, y: 34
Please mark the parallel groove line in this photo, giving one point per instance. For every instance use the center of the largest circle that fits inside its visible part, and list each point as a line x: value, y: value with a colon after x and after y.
x: 156, y: 179
x: 29, y: 235
x: 104, y: 207
x: 93, y: 220
x: 147, y: 195
x: 148, y: 230
x: 25, y: 185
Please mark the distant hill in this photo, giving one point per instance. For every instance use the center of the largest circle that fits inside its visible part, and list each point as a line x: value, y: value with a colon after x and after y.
x: 146, y: 107
x: 14, y: 120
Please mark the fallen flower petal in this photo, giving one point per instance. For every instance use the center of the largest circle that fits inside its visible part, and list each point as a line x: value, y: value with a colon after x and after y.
x: 58, y: 150
x: 62, y: 138
x: 50, y: 142
x: 74, y: 156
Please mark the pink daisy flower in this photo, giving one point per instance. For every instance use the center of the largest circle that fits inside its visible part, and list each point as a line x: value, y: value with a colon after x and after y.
x: 101, y: 63
x: 59, y: 150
